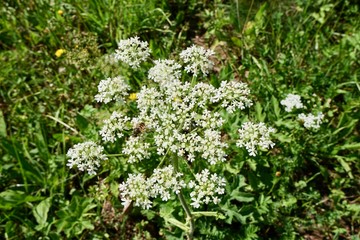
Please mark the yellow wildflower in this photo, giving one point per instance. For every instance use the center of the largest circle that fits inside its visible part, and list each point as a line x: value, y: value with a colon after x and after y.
x: 177, y: 99
x: 132, y: 96
x: 59, y: 52
x: 60, y: 12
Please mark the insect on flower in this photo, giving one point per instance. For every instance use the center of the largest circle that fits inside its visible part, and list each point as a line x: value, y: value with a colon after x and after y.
x: 139, y: 129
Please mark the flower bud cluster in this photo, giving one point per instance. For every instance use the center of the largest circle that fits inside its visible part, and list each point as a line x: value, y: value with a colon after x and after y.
x: 292, y: 101
x: 132, y: 51
x: 86, y: 156
x: 253, y: 135
x: 311, y: 121
x: 162, y: 183
x: 206, y: 188
x: 112, y: 89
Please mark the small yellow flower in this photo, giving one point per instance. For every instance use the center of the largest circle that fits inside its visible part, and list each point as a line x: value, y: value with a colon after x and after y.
x: 60, y: 12
x: 177, y: 99
x: 132, y: 96
x: 59, y: 52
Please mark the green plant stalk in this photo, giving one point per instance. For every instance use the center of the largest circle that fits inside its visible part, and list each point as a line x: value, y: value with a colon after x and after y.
x: 189, y: 217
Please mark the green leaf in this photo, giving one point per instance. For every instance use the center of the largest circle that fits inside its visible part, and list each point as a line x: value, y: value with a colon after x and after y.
x: 2, y: 125
x: 276, y: 107
x: 241, y: 196
x: 259, y: 112
x: 12, y: 198
x: 40, y: 212
x: 345, y: 165
x: 81, y: 122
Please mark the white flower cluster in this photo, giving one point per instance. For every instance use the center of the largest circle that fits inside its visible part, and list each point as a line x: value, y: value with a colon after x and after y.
x: 136, y: 188
x: 164, y: 181
x: 112, y: 89
x: 311, y: 121
x: 181, y: 120
x: 234, y: 95
x: 206, y: 188
x: 132, y: 51
x: 197, y: 59
x: 114, y: 126
x: 292, y: 101
x: 136, y: 149
x: 161, y: 184
x: 86, y: 156
x: 252, y: 135
x: 165, y: 71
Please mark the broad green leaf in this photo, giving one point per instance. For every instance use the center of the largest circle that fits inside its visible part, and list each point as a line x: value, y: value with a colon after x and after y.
x: 260, y: 116
x: 81, y: 122
x: 40, y: 212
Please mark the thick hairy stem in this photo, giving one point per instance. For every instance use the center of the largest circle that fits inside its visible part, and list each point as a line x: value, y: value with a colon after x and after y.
x: 189, y: 216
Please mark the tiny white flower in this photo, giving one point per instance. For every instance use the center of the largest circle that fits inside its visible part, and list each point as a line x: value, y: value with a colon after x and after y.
x: 292, y: 101
x: 112, y: 89
x: 132, y: 51
x: 165, y: 181
x: 136, y: 188
x: 206, y: 188
x: 113, y: 128
x: 197, y: 59
x: 86, y: 156
x: 311, y: 121
x: 165, y: 72
x: 253, y: 135
x: 136, y: 149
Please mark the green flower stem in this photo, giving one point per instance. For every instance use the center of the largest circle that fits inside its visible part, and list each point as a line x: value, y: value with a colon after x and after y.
x: 189, y: 216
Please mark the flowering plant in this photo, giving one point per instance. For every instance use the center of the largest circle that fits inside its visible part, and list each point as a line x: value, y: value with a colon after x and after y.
x: 178, y: 124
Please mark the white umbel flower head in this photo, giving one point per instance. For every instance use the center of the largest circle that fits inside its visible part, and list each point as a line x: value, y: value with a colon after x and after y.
x: 136, y: 188
x: 114, y: 126
x: 197, y: 59
x: 292, y: 101
x: 112, y: 89
x: 233, y: 95
x: 165, y: 72
x: 165, y: 181
x: 311, y: 121
x: 86, y: 156
x: 136, y: 149
x: 253, y: 135
x: 206, y: 188
x: 132, y: 51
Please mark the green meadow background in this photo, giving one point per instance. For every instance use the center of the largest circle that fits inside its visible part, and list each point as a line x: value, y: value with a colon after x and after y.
x: 54, y: 53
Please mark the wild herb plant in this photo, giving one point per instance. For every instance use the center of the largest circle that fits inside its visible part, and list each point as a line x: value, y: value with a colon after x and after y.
x: 173, y: 127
